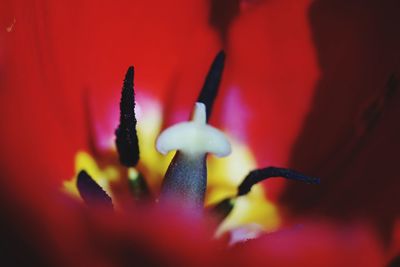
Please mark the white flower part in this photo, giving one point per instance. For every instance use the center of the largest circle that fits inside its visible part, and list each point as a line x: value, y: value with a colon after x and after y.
x: 245, y: 233
x: 194, y: 137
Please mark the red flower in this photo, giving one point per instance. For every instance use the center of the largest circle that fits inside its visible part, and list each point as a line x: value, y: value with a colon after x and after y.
x: 51, y: 54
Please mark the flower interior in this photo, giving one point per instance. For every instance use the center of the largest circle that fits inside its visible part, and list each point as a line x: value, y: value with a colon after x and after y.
x: 203, y: 170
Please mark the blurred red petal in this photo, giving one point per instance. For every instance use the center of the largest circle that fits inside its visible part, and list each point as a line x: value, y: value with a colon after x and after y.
x: 311, y: 244
x: 271, y: 59
x: 272, y: 68
x: 56, y: 51
x: 350, y: 138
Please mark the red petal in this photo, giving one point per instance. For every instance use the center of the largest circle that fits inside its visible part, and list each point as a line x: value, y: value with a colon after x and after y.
x: 315, y: 244
x: 350, y: 139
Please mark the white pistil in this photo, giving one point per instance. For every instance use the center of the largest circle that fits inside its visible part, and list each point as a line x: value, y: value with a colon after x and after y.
x: 195, y: 137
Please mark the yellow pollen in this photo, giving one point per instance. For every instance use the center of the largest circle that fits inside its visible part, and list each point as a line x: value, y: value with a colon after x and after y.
x: 224, y: 175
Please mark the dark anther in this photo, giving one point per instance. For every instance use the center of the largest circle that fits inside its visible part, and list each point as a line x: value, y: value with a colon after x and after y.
x: 259, y: 175
x: 210, y: 88
x: 127, y: 140
x: 222, y: 209
x: 139, y: 187
x: 91, y: 192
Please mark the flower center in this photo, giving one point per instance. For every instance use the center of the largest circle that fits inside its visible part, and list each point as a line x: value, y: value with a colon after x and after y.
x: 117, y: 185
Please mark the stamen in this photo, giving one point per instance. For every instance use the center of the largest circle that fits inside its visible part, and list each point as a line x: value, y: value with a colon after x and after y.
x: 186, y: 177
x: 259, y: 175
x: 210, y: 88
x: 222, y: 209
x: 138, y: 185
x: 91, y: 192
x: 126, y: 136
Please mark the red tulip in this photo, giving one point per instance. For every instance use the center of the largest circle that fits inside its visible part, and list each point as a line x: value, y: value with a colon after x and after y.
x: 290, y: 66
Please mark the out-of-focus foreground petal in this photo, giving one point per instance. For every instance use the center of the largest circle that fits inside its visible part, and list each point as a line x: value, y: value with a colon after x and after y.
x: 81, y: 237
x: 76, y: 236
x: 311, y: 244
